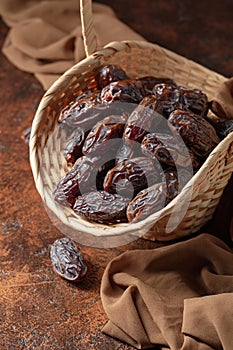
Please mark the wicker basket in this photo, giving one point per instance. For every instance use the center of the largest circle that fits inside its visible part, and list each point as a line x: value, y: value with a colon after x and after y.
x: 197, y: 201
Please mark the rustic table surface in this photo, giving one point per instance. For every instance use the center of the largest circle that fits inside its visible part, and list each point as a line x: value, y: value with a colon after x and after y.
x: 39, y: 310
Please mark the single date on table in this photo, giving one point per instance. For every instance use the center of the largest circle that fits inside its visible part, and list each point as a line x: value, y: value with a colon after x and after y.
x: 67, y: 260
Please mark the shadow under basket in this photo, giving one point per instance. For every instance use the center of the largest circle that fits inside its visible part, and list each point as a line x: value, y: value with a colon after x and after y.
x: 196, y: 203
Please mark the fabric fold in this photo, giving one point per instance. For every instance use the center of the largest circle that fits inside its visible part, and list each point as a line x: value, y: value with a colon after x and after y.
x: 46, y: 35
x: 211, y: 322
x: 171, y: 296
x: 222, y: 103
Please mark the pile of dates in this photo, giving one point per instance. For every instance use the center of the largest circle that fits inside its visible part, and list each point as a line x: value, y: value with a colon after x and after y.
x: 132, y: 145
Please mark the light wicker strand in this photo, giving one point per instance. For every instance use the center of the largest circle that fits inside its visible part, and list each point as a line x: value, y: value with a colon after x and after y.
x: 89, y: 37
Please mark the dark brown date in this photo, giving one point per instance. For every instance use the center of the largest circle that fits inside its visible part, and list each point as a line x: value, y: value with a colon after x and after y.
x: 176, y: 181
x: 131, y: 176
x: 128, y: 152
x: 166, y: 149
x: 97, y: 141
x: 166, y: 91
x: 198, y: 134
x: 73, y: 146
x: 67, y: 260
x: 182, y: 98
x: 84, y: 111
x: 149, y: 82
x: 169, y: 98
x: 79, y: 179
x: 102, y: 207
x: 147, y: 202
x: 103, y: 168
x: 149, y: 116
x: 223, y: 127
x: 108, y: 74
x: 142, y: 120
x: 130, y: 90
x: 194, y: 100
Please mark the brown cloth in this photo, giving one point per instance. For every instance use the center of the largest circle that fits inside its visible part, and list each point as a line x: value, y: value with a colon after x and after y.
x: 222, y: 104
x: 178, y: 296
x: 46, y: 35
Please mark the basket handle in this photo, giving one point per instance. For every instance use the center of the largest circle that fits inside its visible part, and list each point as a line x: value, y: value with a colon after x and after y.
x: 89, y: 37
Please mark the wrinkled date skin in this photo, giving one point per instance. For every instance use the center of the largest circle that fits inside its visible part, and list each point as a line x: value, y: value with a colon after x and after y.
x: 84, y: 111
x: 97, y: 141
x: 79, y: 179
x: 147, y: 202
x: 190, y: 99
x: 174, y: 182
x: 194, y: 100
x: 67, y: 260
x: 125, y: 152
x: 102, y: 207
x: 198, y: 134
x: 140, y: 172
x: 73, y: 146
x: 108, y: 74
x: 166, y: 149
x: 130, y: 90
x: 166, y: 91
x: 103, y: 169
x: 144, y: 118
x: 149, y: 82
x: 148, y: 117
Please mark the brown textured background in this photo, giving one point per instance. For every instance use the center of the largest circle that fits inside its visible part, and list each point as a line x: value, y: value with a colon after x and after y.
x: 39, y: 310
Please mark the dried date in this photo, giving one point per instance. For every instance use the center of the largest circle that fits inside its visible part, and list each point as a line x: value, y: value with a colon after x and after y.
x: 84, y: 111
x: 166, y: 149
x: 149, y: 82
x: 223, y: 127
x: 102, y: 207
x: 176, y: 181
x: 97, y: 141
x: 142, y: 120
x: 73, y: 146
x: 147, y: 202
x: 149, y: 116
x: 79, y: 179
x: 198, y: 134
x: 125, y: 152
x: 103, y: 169
x: 131, y: 176
x: 166, y: 91
x: 108, y: 74
x: 193, y: 100
x: 130, y: 90
x: 67, y: 260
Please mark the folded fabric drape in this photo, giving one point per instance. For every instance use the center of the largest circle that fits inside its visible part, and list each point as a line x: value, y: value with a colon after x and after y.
x: 178, y: 296
x: 222, y: 103
x: 46, y: 35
